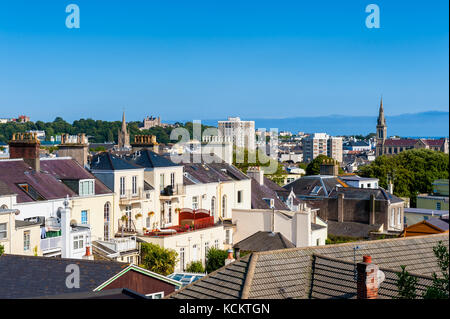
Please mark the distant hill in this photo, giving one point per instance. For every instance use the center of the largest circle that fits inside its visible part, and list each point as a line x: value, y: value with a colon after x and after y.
x: 425, y: 124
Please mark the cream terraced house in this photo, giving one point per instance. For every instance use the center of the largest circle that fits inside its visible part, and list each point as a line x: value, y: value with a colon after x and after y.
x: 133, y: 197
x: 166, y: 179
x: 19, y: 237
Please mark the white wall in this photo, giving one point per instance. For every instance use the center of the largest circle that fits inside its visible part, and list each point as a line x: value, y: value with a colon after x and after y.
x: 297, y: 228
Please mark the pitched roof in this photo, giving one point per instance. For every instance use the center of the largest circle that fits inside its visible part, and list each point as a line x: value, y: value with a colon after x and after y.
x: 441, y: 224
x: 109, y: 162
x: 365, y: 193
x: 16, y: 172
x: 69, y: 169
x: 259, y: 192
x: 31, y: 276
x: 405, y: 142
x: 289, y: 273
x: 263, y: 241
x: 4, y: 189
x: 314, y: 185
x: 149, y: 159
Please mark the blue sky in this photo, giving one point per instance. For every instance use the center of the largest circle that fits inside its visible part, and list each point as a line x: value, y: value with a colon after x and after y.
x: 211, y: 59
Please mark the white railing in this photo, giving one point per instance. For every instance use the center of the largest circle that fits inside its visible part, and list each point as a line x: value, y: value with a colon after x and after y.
x: 120, y: 244
x: 51, y: 243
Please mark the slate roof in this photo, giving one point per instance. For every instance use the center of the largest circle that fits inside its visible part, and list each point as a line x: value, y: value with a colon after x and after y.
x: 305, y: 185
x: 310, y: 272
x: 5, y: 190
x: 69, y: 169
x: 263, y: 241
x: 31, y: 276
x: 350, y: 229
x: 211, y: 172
x: 109, y: 162
x: 48, y: 186
x: 149, y: 159
x: 442, y: 224
x: 364, y: 194
x: 263, y: 191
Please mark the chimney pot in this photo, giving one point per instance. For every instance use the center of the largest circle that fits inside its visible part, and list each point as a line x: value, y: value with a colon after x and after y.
x: 367, y: 259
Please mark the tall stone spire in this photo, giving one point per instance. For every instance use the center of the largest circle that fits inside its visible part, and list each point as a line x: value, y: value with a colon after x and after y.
x: 381, y: 131
x: 381, y: 119
x: 123, y: 135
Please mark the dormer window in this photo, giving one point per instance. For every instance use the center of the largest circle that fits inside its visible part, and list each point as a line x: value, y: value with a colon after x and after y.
x: 87, y: 187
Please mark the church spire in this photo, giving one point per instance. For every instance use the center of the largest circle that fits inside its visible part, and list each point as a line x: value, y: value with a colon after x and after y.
x: 124, y: 124
x: 381, y: 119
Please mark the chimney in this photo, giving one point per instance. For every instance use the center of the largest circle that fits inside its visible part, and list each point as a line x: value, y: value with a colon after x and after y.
x: 329, y: 167
x: 256, y: 173
x: 340, y: 207
x: 230, y: 258
x: 26, y: 146
x: 76, y: 148
x: 369, y: 278
x: 301, y: 228
x: 391, y: 187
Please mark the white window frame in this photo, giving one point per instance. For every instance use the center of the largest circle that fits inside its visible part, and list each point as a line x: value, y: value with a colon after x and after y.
x: 134, y: 185
x: 122, y: 186
x: 194, y: 202
x: 4, y: 232
x: 26, y: 240
x: 77, y: 239
x: 153, y: 295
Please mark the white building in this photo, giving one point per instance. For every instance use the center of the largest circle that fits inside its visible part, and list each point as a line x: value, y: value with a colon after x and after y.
x: 302, y: 228
x: 241, y: 132
x: 322, y: 144
x: 360, y: 182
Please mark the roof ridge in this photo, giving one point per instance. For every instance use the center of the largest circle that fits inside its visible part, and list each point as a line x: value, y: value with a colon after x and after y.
x: 278, y: 251
x: 253, y: 259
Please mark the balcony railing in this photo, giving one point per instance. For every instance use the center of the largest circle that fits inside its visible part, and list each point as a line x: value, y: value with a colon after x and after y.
x: 129, y: 196
x: 173, y: 190
x: 127, y: 226
x: 51, y: 243
x: 120, y: 244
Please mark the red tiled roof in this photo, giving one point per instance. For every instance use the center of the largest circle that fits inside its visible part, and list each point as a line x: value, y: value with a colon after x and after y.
x: 400, y: 142
x: 439, y: 142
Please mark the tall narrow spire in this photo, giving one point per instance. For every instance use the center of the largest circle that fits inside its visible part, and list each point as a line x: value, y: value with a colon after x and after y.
x: 381, y: 120
x: 124, y: 124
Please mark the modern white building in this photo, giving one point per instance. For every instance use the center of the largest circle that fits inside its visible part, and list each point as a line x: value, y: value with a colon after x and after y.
x: 322, y: 144
x: 241, y: 132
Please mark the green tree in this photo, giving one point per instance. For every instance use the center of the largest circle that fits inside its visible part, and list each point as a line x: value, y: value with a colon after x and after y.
x: 313, y: 167
x: 412, y: 171
x: 215, y: 258
x: 2, y: 249
x: 406, y: 285
x: 440, y: 287
x: 158, y: 259
x: 195, y: 266
x: 243, y: 159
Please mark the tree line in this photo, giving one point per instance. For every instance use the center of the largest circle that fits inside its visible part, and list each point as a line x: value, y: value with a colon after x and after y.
x: 98, y: 131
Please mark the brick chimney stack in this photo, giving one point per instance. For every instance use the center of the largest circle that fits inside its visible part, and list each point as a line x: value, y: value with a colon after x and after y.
x: 26, y: 146
x: 367, y: 279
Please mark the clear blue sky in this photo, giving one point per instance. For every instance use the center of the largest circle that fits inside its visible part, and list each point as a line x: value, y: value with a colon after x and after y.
x: 192, y: 59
